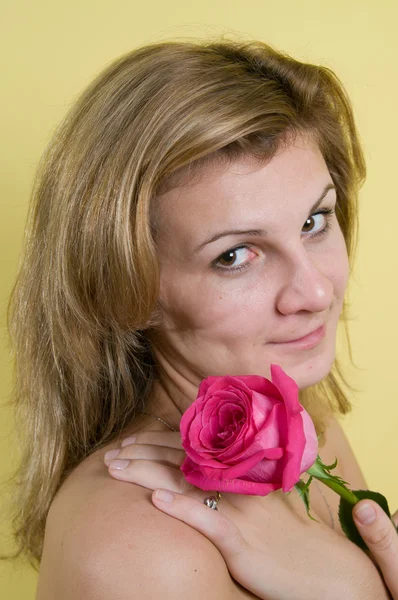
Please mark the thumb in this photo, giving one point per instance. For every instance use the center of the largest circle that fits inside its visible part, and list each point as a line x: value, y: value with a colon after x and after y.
x: 380, y: 535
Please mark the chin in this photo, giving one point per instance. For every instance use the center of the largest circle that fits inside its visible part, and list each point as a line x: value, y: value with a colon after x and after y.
x: 309, y: 371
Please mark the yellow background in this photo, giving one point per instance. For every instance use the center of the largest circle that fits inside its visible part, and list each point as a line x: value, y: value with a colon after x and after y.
x: 51, y: 51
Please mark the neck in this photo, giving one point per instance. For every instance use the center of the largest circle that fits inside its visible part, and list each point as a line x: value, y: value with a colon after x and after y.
x: 173, y: 391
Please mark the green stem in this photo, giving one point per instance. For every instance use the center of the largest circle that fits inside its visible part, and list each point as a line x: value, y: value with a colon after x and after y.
x: 341, y: 490
x: 321, y: 472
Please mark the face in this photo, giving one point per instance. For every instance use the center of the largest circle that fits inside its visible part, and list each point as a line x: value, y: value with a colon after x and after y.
x: 252, y: 258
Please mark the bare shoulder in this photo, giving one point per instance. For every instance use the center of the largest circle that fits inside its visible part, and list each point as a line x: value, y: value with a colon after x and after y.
x: 337, y: 445
x: 105, y: 539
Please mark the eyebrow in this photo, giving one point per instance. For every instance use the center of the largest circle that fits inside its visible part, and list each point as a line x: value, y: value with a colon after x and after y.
x: 258, y: 232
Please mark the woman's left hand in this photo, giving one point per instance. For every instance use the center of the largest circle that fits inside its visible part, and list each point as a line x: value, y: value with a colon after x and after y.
x: 381, y: 538
x: 162, y: 450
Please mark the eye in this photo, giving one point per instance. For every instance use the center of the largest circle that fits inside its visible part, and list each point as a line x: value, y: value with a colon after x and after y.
x: 234, y: 259
x: 318, y: 223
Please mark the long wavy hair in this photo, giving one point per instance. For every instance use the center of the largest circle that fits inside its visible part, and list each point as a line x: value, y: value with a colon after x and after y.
x: 87, y: 290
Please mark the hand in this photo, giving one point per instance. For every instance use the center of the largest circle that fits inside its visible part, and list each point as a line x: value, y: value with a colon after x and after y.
x: 381, y: 538
x: 267, y: 547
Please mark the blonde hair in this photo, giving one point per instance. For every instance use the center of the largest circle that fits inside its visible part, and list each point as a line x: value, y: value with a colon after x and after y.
x: 88, y: 284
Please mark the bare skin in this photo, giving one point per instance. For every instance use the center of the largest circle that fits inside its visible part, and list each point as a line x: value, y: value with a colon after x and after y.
x: 105, y: 538
x: 228, y: 306
x: 160, y: 456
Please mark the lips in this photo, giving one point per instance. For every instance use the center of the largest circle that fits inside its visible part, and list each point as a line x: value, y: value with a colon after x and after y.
x: 315, y: 332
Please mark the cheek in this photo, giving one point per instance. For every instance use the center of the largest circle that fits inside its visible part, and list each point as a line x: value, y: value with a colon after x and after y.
x: 186, y: 301
x: 212, y: 304
x: 336, y: 268
x: 340, y: 268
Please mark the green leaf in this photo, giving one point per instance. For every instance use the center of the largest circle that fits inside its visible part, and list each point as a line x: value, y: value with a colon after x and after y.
x: 346, y: 519
x: 303, y: 491
x: 330, y: 467
x: 321, y: 471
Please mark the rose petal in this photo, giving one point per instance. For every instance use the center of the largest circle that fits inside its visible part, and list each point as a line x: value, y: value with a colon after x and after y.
x: 268, y: 470
x: 311, y: 444
x: 261, y: 406
x: 267, y: 438
x: 211, y: 384
x: 257, y: 383
x: 287, y: 387
x: 244, y: 466
x: 295, y: 432
x: 205, y: 462
x: 236, y: 486
x: 294, y: 452
x: 274, y: 430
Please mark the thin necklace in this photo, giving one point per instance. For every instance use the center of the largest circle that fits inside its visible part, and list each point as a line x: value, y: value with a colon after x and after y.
x: 316, y: 483
x: 327, y: 503
x: 159, y: 419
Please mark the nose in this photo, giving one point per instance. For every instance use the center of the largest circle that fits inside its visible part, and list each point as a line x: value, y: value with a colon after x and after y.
x: 304, y: 286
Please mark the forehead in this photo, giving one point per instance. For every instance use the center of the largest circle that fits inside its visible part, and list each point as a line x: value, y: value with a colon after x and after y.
x: 244, y: 192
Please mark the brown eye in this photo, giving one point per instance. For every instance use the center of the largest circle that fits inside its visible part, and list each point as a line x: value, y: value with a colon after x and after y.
x: 235, y: 259
x: 228, y: 258
x: 308, y: 225
x: 315, y: 223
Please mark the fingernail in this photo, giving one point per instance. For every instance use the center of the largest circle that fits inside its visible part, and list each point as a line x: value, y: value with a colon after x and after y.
x: 111, y: 454
x: 164, y: 496
x: 365, y: 514
x: 119, y: 464
x: 129, y: 440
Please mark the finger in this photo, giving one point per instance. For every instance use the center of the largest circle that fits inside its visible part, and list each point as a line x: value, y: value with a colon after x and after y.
x: 212, y: 523
x: 395, y: 518
x: 162, y: 454
x: 170, y: 439
x: 148, y: 474
x: 380, y: 535
x: 248, y: 566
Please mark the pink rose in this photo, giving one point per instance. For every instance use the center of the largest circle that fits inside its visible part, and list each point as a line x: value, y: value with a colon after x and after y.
x: 247, y: 435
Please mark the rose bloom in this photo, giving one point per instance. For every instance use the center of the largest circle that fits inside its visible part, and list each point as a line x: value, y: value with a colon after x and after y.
x: 247, y: 435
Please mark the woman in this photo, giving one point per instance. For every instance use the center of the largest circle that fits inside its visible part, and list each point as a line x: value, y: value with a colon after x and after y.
x: 193, y: 216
